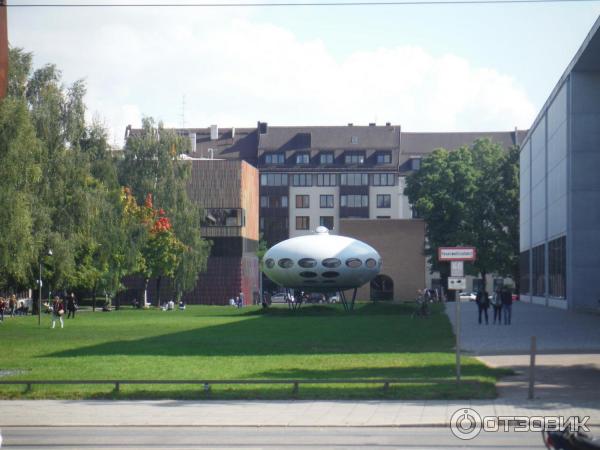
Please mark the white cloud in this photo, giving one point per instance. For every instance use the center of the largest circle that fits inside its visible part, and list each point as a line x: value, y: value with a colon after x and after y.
x: 235, y: 70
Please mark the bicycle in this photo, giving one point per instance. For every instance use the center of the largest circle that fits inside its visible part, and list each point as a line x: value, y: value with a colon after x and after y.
x: 422, y: 306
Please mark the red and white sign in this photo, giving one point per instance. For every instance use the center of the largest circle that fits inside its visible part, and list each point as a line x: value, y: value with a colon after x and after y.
x: 457, y: 254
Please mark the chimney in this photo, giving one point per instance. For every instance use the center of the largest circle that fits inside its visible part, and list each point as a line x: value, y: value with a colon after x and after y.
x: 372, y: 124
x: 350, y: 124
x: 214, y: 132
x: 517, y: 136
x: 388, y: 124
x: 192, y: 142
x: 3, y: 50
x: 232, y: 132
x: 263, y: 127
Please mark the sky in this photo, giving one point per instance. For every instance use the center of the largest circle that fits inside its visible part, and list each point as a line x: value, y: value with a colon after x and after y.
x: 423, y: 67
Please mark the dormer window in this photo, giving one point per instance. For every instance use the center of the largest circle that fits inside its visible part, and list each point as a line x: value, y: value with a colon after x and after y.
x: 326, y: 158
x: 302, y: 158
x: 274, y: 158
x: 354, y: 158
x: 415, y: 163
x: 383, y: 158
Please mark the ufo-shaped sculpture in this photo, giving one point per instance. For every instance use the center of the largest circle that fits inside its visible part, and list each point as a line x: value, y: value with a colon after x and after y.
x: 322, y: 262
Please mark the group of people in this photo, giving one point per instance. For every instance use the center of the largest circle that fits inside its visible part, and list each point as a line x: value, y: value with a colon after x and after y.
x: 12, y: 306
x: 238, y: 301
x: 57, y: 309
x: 501, y: 301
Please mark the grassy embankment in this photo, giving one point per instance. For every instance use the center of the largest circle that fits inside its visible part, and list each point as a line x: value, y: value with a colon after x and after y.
x: 374, y: 341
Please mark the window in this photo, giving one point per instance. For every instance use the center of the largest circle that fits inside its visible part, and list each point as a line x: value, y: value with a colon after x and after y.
x: 353, y: 263
x: 326, y: 221
x: 307, y: 263
x: 524, y: 272
x: 285, y: 263
x: 302, y: 201
x: 326, y: 201
x: 262, y: 223
x: 537, y: 273
x: 326, y: 158
x: 302, y: 158
x: 354, y: 140
x: 354, y: 179
x: 384, y: 179
x: 371, y: 263
x: 415, y: 163
x: 557, y: 267
x: 302, y: 222
x: 302, y: 179
x: 354, y: 201
x: 383, y: 158
x: 331, y: 263
x: 267, y: 201
x: 326, y: 179
x: 354, y: 158
x: 223, y: 217
x: 274, y: 158
x: 384, y: 200
x: 274, y: 179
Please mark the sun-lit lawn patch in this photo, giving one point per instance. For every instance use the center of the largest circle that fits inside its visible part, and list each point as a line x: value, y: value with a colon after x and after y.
x: 375, y: 341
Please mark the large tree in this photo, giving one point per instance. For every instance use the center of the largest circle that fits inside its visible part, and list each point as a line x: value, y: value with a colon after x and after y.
x: 151, y: 165
x: 469, y: 197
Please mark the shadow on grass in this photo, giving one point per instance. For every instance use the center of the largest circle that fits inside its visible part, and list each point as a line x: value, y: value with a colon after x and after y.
x: 372, y: 328
x: 427, y: 372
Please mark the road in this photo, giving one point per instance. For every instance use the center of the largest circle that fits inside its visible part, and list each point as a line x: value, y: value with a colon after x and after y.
x: 255, y: 438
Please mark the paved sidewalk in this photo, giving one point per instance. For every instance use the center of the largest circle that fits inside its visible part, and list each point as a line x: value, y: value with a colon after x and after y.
x: 273, y: 413
x: 557, y: 330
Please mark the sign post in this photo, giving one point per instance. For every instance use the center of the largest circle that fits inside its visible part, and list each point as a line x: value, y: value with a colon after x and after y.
x: 457, y: 282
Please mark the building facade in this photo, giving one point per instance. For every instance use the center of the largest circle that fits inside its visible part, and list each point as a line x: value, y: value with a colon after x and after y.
x: 327, y: 175
x: 560, y: 190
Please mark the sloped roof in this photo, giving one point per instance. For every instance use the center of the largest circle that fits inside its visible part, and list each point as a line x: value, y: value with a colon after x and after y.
x: 330, y: 138
x: 423, y: 143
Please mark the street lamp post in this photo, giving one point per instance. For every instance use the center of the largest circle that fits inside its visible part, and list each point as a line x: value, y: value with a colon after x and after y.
x: 40, y: 291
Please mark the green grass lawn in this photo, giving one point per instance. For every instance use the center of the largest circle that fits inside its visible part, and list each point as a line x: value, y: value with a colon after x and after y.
x: 210, y: 342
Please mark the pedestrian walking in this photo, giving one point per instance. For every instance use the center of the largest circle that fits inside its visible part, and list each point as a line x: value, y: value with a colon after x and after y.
x: 12, y: 305
x: 497, y: 305
x: 58, y: 311
x: 507, y: 305
x: 2, y: 306
x: 483, y: 303
x: 71, y: 305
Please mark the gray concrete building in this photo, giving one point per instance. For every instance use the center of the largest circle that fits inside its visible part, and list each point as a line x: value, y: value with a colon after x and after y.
x: 560, y: 190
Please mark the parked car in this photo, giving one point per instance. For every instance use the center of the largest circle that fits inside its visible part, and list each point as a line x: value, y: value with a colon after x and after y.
x: 333, y: 299
x: 316, y: 297
x: 470, y: 296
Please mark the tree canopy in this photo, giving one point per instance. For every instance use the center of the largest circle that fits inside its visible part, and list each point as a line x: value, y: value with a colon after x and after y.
x: 62, y: 189
x: 469, y: 197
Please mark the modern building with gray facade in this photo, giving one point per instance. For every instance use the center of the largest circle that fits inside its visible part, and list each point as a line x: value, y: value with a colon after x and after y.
x: 560, y: 190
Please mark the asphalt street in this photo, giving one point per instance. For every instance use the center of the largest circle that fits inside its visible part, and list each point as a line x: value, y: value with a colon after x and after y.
x: 255, y: 438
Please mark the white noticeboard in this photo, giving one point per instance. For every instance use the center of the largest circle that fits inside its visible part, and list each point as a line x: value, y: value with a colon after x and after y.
x: 457, y: 269
x: 457, y: 283
x: 457, y: 254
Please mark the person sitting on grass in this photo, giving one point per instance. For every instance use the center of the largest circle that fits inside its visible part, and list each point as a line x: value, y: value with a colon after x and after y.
x: 181, y: 305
